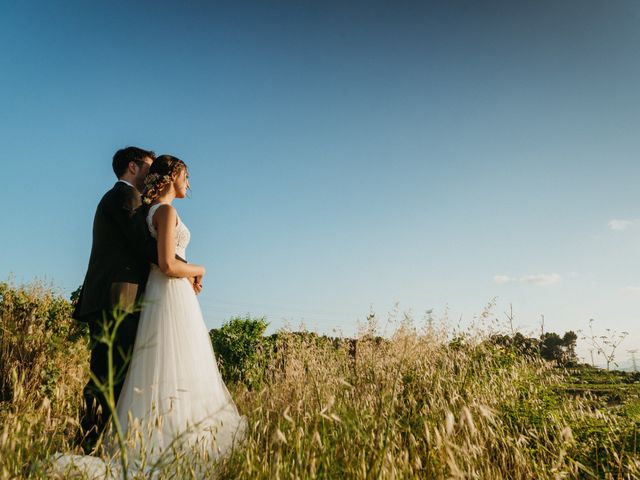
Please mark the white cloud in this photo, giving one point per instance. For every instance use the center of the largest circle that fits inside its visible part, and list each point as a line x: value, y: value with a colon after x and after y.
x: 631, y: 290
x: 620, y: 224
x: 539, y: 279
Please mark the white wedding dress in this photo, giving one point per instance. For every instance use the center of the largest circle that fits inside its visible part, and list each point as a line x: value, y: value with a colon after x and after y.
x: 173, y: 395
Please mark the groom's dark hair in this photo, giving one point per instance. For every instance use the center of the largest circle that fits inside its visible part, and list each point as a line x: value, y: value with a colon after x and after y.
x: 123, y: 156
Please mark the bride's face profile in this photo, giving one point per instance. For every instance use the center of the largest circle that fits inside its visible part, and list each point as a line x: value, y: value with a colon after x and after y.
x: 181, y: 184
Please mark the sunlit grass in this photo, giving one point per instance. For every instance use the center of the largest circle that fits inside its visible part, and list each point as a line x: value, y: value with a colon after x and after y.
x: 422, y: 403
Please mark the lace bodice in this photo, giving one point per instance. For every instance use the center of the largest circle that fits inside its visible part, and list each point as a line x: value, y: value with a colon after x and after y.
x: 182, y: 232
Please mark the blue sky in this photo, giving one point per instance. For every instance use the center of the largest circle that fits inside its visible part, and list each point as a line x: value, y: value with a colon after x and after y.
x: 344, y: 156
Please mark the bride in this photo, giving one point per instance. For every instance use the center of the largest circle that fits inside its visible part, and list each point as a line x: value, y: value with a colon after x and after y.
x: 173, y: 395
x: 173, y: 386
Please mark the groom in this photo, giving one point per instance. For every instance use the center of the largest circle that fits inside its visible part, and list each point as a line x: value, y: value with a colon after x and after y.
x: 121, y: 252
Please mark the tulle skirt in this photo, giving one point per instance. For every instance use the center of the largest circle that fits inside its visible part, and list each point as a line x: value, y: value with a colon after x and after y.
x: 173, y: 398
x: 173, y: 395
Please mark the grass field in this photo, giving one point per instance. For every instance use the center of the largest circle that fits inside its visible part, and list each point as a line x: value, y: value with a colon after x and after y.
x: 418, y: 404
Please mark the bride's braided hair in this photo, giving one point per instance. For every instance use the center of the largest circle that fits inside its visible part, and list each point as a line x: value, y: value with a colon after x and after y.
x: 164, y: 170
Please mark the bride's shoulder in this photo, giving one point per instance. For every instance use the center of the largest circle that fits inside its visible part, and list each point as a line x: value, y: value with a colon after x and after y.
x: 163, y: 212
x: 162, y: 207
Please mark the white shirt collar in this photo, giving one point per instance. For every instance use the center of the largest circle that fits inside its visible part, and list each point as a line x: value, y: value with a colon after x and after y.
x: 125, y: 182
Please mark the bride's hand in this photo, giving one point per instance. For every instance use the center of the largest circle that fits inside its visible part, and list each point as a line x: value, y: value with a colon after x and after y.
x: 197, y: 284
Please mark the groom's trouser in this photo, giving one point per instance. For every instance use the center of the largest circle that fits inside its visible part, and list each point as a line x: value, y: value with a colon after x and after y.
x: 97, y: 410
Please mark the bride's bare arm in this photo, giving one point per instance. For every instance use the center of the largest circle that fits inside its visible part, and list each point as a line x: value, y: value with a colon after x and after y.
x: 165, y: 220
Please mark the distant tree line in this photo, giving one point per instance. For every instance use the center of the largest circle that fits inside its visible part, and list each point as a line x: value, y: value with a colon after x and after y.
x: 549, y: 346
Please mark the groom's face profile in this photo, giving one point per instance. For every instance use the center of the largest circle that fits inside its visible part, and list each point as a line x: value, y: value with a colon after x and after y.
x: 142, y: 171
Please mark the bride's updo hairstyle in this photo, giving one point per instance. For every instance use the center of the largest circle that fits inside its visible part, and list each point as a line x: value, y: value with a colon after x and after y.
x: 164, y: 171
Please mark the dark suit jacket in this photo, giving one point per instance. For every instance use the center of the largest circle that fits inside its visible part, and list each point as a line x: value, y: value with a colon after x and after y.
x: 121, y: 253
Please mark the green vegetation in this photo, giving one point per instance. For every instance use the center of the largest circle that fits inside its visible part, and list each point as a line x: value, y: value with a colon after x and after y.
x: 242, y: 350
x: 418, y: 404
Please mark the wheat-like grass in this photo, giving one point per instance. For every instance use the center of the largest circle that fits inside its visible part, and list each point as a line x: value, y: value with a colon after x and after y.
x: 424, y: 402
